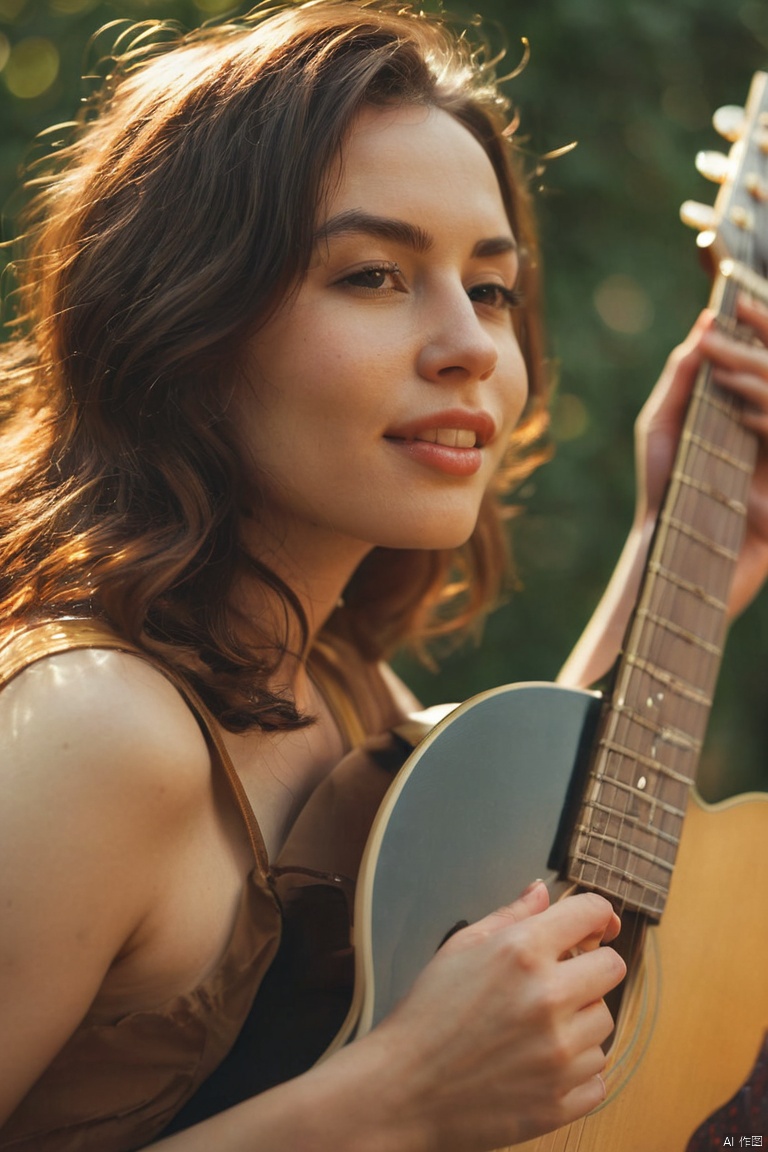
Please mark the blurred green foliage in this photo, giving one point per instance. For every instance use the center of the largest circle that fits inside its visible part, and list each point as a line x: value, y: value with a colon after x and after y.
x: 635, y: 83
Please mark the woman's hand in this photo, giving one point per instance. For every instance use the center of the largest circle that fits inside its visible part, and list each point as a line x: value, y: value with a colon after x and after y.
x: 740, y: 368
x: 500, y: 1038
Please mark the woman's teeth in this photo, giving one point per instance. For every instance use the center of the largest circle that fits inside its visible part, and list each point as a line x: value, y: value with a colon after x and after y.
x: 449, y: 437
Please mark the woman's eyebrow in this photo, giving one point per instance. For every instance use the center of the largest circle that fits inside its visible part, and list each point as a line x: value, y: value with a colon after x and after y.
x: 494, y: 246
x: 384, y: 227
x: 401, y: 232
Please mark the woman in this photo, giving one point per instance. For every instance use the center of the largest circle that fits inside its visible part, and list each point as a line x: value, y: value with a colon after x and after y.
x: 284, y: 356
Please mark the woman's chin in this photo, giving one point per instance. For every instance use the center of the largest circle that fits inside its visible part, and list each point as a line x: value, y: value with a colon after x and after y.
x: 432, y: 538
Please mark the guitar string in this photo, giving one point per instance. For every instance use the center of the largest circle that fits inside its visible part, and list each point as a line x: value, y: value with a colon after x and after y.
x: 643, y: 624
x: 644, y: 633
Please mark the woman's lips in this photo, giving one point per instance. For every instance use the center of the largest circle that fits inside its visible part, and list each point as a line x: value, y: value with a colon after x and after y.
x: 450, y: 441
x: 450, y: 450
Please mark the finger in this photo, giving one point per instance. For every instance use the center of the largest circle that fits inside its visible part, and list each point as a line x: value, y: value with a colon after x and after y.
x: 753, y: 390
x: 754, y: 313
x: 676, y: 380
x: 613, y: 929
x: 583, y: 1099
x: 574, y: 919
x: 598, y: 938
x: 586, y: 979
x: 728, y: 352
x: 756, y: 422
x: 591, y: 1026
x: 582, y: 1068
x: 534, y: 899
x: 704, y: 323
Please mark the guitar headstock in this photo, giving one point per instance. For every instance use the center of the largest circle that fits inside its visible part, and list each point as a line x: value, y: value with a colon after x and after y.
x: 736, y: 228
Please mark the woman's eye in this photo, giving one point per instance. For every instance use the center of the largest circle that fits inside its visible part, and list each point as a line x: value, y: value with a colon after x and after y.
x: 495, y: 296
x: 376, y: 277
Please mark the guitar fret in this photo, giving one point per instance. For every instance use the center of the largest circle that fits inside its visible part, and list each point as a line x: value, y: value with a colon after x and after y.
x: 646, y: 857
x: 648, y: 761
x: 641, y: 793
x: 718, y: 401
x: 686, y: 585
x: 747, y: 278
x: 719, y: 453
x: 712, y: 545
x: 628, y: 878
x: 733, y: 504
x: 669, y: 735
x: 627, y: 821
x: 682, y: 633
x: 681, y: 688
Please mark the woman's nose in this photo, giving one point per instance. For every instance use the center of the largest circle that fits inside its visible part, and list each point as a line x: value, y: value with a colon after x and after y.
x: 457, y: 346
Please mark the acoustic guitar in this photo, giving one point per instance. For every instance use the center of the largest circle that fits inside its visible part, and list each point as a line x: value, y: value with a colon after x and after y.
x: 598, y: 793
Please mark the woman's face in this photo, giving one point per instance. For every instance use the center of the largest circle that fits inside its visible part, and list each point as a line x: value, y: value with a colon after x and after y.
x: 381, y: 397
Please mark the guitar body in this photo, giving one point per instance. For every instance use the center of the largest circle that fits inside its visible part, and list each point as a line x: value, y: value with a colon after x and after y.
x: 477, y: 813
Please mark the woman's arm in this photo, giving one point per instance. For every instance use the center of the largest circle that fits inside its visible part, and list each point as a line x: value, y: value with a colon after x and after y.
x: 741, y: 368
x: 96, y: 759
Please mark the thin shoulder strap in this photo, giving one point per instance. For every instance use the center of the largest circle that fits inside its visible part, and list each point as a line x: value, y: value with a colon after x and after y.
x: 49, y: 639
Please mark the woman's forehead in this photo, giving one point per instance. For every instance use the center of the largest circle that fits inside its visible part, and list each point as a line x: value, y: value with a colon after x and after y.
x: 413, y: 162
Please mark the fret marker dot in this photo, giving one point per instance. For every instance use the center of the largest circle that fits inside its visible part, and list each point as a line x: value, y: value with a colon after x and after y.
x: 642, y: 782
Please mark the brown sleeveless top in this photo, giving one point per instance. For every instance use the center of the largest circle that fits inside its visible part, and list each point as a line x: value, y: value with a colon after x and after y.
x: 118, y: 1083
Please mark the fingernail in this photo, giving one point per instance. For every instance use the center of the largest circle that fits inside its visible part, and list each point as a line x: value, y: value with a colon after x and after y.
x: 530, y: 888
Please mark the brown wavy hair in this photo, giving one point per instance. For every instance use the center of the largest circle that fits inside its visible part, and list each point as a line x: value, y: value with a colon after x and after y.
x: 173, y: 224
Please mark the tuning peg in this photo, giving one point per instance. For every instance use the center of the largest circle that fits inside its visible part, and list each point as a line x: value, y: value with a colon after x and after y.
x: 729, y: 121
x: 700, y: 216
x: 756, y: 187
x: 713, y: 165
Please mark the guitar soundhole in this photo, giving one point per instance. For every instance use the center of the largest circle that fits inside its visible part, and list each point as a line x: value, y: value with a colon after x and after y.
x: 745, y: 1115
x: 630, y: 945
x: 452, y: 932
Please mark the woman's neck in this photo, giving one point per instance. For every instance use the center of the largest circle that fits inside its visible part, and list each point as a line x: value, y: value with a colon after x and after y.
x: 316, y: 566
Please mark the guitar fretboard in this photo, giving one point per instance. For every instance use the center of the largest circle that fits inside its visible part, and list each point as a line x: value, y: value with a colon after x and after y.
x: 629, y: 825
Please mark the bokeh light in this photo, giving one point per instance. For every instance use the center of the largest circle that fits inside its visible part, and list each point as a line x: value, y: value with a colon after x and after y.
x: 623, y: 305
x: 32, y: 67
x: 570, y: 417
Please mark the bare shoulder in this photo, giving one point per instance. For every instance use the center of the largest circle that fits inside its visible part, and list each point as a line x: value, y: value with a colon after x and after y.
x: 101, y: 762
x: 103, y: 771
x: 99, y: 717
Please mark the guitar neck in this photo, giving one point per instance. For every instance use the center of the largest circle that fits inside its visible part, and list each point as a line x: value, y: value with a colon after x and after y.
x: 651, y: 732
